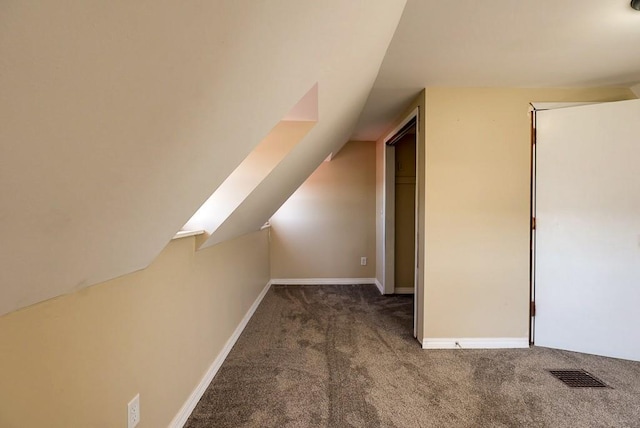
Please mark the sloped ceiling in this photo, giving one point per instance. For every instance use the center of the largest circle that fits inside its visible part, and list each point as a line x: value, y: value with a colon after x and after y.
x: 255, y: 168
x: 119, y: 119
x: 505, y: 43
x: 244, y: 179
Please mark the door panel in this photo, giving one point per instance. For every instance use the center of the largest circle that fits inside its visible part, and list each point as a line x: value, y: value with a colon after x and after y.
x: 587, y: 261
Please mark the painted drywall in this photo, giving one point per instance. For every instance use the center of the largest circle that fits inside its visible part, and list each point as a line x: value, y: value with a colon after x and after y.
x: 77, y: 360
x: 244, y: 179
x: 121, y: 118
x: 473, y: 208
x: 477, y: 198
x: 328, y: 224
x: 337, y: 114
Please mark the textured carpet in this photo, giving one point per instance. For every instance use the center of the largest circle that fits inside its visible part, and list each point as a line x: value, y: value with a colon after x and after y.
x: 343, y: 356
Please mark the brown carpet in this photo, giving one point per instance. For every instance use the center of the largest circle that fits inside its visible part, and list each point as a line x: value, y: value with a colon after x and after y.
x: 343, y: 356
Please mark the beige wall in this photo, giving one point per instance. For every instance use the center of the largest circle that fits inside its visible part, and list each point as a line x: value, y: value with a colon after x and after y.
x: 473, y: 184
x: 329, y: 222
x: 76, y: 361
x: 477, y: 207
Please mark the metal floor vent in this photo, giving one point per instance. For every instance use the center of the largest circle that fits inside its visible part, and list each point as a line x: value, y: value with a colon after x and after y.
x: 578, y: 379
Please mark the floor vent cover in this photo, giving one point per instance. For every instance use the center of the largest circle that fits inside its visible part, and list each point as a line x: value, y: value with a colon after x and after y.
x: 578, y: 379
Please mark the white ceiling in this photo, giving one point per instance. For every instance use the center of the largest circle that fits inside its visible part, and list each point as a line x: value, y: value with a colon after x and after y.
x: 508, y: 43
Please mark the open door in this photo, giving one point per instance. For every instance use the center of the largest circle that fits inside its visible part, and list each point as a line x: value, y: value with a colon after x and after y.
x: 587, y: 239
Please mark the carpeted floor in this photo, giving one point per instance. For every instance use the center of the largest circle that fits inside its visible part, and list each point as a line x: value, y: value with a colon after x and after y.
x: 343, y: 356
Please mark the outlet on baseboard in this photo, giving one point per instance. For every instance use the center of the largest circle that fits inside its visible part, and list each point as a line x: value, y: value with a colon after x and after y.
x: 133, y: 412
x: 363, y: 261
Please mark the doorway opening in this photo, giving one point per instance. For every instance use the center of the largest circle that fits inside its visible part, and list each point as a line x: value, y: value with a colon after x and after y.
x: 405, y: 212
x: 401, y: 212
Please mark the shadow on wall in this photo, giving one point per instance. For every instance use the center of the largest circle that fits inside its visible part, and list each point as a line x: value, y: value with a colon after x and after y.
x: 327, y: 226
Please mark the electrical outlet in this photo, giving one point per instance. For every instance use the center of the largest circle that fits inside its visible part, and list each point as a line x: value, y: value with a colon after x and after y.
x: 363, y: 261
x: 134, y: 412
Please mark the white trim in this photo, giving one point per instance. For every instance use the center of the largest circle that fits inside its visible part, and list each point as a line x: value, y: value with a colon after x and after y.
x: 186, y: 233
x: 553, y: 106
x: 403, y: 290
x: 417, y: 231
x: 380, y: 286
x: 187, y: 408
x: 323, y: 281
x: 476, y: 343
x: 389, y: 218
x: 407, y: 119
x: 388, y: 214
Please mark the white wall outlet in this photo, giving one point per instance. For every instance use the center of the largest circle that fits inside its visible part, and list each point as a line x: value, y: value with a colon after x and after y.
x: 134, y: 412
x: 363, y: 261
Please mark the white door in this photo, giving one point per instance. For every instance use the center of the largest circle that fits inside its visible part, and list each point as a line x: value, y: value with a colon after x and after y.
x: 587, y: 202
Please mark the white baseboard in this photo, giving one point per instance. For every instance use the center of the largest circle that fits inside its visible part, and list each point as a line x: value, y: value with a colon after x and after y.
x: 476, y: 343
x: 379, y: 285
x: 323, y: 281
x: 185, y: 411
x: 403, y: 290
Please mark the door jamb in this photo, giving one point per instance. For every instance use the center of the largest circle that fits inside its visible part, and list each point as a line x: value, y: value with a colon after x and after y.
x: 388, y: 214
x: 532, y: 231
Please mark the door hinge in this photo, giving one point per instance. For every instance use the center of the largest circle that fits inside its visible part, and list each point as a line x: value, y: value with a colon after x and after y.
x: 532, y: 309
x: 533, y: 223
x: 533, y: 128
